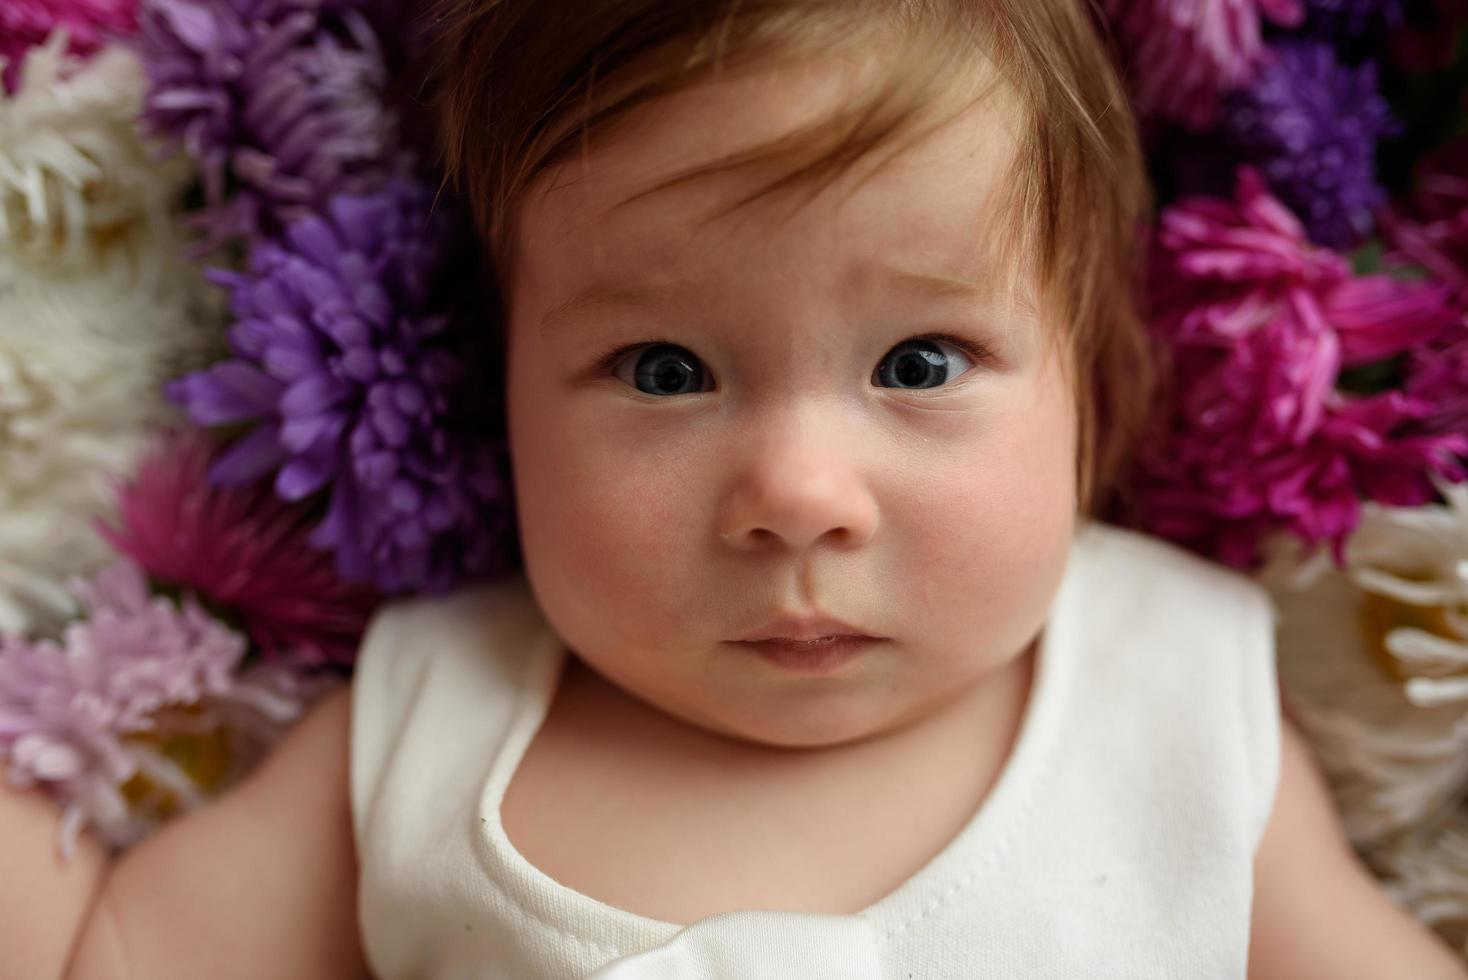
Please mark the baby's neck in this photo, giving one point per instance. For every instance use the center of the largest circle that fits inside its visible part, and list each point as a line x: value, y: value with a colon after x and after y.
x: 731, y: 824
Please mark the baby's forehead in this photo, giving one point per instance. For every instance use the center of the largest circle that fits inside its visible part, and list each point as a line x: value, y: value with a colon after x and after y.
x: 931, y: 205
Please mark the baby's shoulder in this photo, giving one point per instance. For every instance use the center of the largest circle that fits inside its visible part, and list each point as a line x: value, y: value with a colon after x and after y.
x: 272, y: 845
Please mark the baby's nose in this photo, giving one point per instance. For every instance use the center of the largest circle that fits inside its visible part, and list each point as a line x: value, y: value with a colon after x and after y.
x: 795, y: 489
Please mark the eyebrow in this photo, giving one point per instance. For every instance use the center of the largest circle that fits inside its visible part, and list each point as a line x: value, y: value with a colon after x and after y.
x: 604, y: 294
x: 600, y: 295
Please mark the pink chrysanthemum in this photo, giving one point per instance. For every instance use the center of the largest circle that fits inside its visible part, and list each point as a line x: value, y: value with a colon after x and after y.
x: 139, y: 711
x: 1257, y: 324
x: 27, y: 23
x: 1181, y: 54
x: 243, y: 551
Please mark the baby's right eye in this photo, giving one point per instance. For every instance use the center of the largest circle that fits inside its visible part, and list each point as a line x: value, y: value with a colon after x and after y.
x: 660, y: 369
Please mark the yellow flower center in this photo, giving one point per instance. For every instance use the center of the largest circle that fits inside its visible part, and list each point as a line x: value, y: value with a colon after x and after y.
x: 1381, y: 614
x: 205, y: 757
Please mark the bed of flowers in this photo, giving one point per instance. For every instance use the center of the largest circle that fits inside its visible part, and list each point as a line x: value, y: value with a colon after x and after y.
x: 245, y: 396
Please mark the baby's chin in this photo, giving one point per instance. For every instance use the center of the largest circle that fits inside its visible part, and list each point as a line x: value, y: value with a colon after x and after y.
x: 804, y: 734
x: 799, y: 714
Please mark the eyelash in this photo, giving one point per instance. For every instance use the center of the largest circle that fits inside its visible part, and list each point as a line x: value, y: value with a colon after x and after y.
x: 980, y: 353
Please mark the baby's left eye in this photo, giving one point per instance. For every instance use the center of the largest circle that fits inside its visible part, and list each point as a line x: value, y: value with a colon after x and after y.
x: 921, y: 363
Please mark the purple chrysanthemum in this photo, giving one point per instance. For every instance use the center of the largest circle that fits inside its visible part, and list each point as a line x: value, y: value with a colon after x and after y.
x: 1181, y: 54
x: 1257, y: 323
x: 279, y: 102
x: 140, y: 710
x: 358, y: 392
x: 1311, y: 125
x: 1351, y: 18
x: 88, y: 23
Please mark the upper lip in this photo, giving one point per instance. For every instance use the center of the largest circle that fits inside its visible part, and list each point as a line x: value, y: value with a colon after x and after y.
x: 804, y: 628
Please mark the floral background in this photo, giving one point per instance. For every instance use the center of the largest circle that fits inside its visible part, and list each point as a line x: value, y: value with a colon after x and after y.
x: 241, y: 405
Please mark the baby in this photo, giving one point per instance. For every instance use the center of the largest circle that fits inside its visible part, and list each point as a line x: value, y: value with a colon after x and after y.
x: 820, y: 363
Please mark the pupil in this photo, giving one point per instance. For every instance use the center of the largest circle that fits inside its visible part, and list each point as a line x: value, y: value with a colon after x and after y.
x: 912, y: 370
x: 666, y: 370
x: 923, y: 368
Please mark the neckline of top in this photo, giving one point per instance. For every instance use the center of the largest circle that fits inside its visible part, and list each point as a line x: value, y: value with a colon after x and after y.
x: 985, y: 833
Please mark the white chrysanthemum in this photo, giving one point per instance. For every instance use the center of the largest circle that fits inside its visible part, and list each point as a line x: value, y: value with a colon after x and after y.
x: 79, y: 187
x: 165, y: 324
x: 1374, y: 657
x: 82, y: 365
x: 1416, y: 562
x: 67, y: 423
x: 99, y: 306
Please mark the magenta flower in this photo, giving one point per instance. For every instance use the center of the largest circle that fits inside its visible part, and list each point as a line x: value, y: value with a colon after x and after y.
x: 1182, y: 54
x: 1429, y: 228
x: 140, y: 710
x: 88, y: 23
x: 1257, y: 323
x: 1438, y: 375
x: 243, y: 551
x: 1431, y: 35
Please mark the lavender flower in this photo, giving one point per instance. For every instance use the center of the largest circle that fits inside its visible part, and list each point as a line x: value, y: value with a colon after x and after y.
x: 1311, y: 125
x: 129, y: 717
x: 359, y: 393
x: 279, y: 102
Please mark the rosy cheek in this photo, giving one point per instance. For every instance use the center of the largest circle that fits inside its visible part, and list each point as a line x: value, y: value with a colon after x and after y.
x: 620, y: 536
x: 610, y: 531
x: 990, y: 519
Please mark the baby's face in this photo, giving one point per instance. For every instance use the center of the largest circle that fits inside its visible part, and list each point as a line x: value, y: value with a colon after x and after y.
x: 784, y: 441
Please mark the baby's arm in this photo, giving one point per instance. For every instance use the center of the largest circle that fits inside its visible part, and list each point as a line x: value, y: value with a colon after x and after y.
x: 43, y: 899
x: 1317, y: 910
x: 259, y: 883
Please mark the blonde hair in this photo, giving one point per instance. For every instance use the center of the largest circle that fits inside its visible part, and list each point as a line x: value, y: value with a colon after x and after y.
x: 522, y: 84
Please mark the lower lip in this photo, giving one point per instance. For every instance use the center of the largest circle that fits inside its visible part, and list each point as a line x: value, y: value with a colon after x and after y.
x: 807, y: 658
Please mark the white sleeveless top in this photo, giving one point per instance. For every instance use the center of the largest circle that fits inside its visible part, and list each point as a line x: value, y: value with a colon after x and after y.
x: 1117, y: 842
